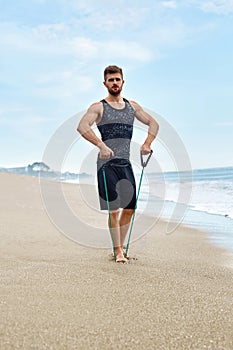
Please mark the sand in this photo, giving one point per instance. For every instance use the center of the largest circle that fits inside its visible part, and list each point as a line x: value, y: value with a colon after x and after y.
x: 57, y: 294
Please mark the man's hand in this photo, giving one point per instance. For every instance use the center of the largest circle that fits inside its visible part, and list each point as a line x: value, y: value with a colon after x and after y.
x: 105, y: 151
x: 145, y: 149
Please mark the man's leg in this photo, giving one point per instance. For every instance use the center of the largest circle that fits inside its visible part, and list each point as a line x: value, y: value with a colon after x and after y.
x: 115, y: 231
x: 124, y: 221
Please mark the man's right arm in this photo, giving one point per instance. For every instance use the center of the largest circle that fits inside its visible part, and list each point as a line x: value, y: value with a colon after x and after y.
x: 84, y: 128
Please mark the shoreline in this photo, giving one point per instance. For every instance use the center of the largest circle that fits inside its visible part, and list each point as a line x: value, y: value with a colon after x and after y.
x: 57, y: 294
x: 217, y: 226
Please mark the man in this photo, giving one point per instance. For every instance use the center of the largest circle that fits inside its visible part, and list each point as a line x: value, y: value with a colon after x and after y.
x: 114, y: 117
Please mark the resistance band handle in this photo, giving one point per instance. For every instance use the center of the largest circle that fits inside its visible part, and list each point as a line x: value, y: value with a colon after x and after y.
x: 144, y: 164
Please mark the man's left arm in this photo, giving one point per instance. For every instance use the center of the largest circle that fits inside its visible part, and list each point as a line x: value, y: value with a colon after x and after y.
x: 153, y: 126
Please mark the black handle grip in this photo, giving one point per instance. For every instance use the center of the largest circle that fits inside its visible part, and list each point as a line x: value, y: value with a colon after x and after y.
x: 144, y: 164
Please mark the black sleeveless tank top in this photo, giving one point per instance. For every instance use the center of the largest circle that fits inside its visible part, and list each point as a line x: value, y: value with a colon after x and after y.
x: 116, y: 129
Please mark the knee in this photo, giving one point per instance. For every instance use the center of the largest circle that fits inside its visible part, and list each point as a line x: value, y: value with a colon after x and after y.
x: 128, y: 212
x: 114, y: 214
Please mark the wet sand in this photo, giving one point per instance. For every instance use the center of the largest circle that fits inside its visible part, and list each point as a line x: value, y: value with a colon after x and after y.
x: 57, y: 294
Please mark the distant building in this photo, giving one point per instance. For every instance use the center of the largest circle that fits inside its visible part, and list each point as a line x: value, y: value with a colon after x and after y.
x: 37, y: 167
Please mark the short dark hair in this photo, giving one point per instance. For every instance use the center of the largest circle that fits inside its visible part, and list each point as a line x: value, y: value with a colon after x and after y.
x: 112, y: 70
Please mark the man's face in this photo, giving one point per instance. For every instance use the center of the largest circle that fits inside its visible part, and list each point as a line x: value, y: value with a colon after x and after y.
x: 114, y: 83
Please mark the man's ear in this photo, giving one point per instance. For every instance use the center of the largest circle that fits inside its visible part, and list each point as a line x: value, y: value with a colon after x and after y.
x: 104, y: 83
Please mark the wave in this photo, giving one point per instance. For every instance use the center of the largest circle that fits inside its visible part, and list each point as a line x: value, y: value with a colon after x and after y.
x: 211, y: 189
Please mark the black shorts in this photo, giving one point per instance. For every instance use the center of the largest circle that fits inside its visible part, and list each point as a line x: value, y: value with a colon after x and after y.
x: 120, y: 183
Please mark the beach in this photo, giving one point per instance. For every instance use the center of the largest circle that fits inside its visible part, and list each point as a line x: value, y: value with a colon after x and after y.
x: 58, y: 294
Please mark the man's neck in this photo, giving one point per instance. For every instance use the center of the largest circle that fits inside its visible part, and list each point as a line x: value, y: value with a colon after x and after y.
x: 116, y: 99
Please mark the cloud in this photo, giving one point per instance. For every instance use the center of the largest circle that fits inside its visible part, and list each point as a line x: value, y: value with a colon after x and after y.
x: 9, y: 110
x: 137, y: 33
x: 63, y: 61
x: 67, y: 84
x: 54, y: 61
x: 169, y: 4
x: 224, y: 124
x: 23, y: 121
x: 59, y: 59
x: 220, y: 7
x: 58, y: 40
x: 57, y: 62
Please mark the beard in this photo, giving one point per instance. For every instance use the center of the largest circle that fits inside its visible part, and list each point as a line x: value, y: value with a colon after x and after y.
x: 114, y: 92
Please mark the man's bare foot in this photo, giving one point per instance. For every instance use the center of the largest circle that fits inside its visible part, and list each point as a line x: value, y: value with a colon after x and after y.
x: 125, y: 255
x: 121, y: 259
x: 124, y: 252
x: 120, y: 255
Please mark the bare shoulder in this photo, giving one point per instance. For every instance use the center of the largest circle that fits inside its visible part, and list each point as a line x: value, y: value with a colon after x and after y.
x: 94, y: 113
x: 135, y: 105
x: 141, y: 114
x: 96, y: 107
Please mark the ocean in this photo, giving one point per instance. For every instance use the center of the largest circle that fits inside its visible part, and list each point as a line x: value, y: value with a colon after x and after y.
x: 209, y: 208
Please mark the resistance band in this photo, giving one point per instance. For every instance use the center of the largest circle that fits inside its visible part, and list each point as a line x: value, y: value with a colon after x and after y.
x: 143, y: 164
x: 109, y: 216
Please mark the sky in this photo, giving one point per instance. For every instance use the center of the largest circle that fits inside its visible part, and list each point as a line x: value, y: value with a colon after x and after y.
x: 177, y: 61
